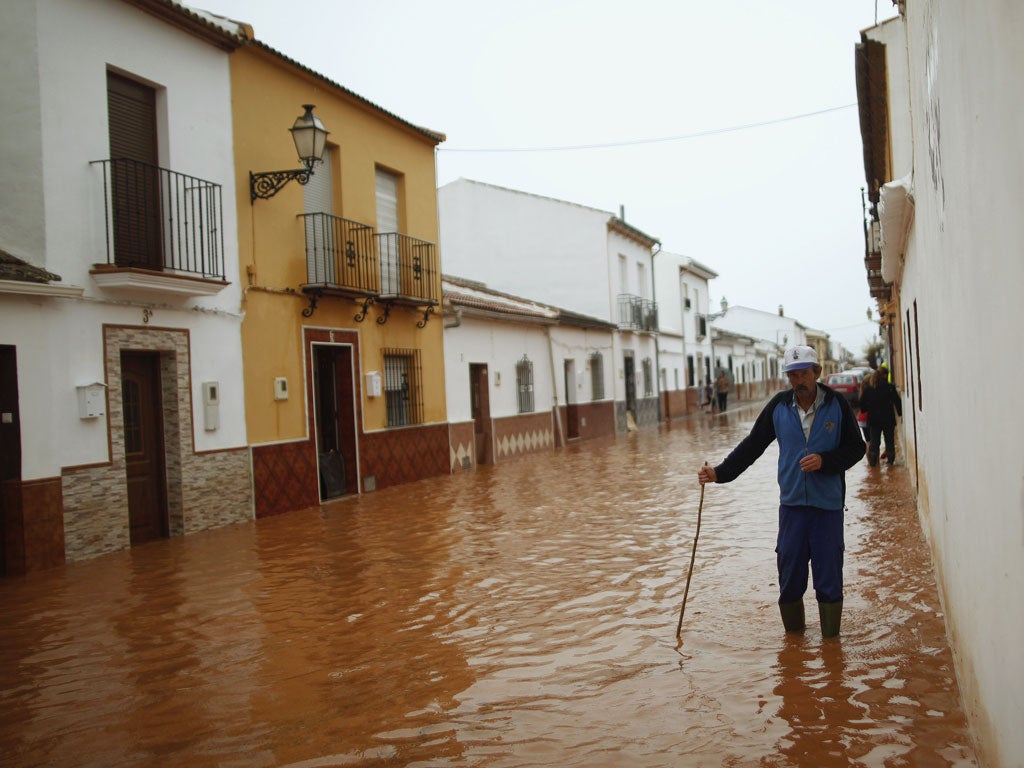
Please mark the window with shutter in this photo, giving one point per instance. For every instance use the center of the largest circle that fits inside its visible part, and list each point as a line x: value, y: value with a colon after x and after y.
x: 135, y: 193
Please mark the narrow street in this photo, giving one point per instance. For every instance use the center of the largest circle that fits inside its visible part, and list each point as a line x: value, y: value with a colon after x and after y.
x: 521, y: 615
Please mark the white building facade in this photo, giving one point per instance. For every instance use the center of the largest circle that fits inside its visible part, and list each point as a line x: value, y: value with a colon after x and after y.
x: 521, y: 377
x: 684, y: 341
x: 122, y: 386
x: 569, y: 256
x: 942, y: 75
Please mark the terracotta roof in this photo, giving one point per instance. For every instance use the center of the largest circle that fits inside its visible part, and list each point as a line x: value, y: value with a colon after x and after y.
x: 469, y: 294
x: 13, y: 268
x: 616, y: 224
x: 230, y: 34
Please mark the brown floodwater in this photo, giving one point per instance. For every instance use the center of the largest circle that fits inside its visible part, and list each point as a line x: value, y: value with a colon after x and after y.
x: 520, y: 615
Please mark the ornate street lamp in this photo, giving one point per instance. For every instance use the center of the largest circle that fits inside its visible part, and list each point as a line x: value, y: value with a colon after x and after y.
x: 310, y: 138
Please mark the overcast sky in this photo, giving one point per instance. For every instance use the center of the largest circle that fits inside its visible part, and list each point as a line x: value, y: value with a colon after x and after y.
x: 727, y: 130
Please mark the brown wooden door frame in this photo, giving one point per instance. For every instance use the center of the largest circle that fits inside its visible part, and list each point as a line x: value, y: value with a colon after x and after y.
x: 335, y: 409
x: 145, y: 469
x: 480, y: 403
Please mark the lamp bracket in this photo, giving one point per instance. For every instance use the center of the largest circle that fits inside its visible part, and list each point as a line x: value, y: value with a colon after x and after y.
x: 266, y: 184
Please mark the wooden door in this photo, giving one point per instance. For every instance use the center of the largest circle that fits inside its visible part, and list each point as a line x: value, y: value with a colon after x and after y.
x: 481, y: 410
x: 10, y: 439
x: 335, y: 419
x: 144, y: 445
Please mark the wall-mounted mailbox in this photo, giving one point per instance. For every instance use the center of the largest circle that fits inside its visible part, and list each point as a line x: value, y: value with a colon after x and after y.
x: 92, y: 400
x: 211, y: 405
x: 280, y: 388
x: 374, y: 387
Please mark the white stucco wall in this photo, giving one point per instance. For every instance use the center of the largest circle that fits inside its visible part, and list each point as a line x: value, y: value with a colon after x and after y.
x: 961, y: 285
x: 53, y: 218
x: 499, y: 345
x: 78, y: 43
x: 527, y: 245
x: 759, y: 324
x: 676, y: 280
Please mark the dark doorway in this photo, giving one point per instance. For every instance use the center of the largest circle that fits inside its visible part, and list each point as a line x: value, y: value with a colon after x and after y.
x: 629, y: 371
x: 572, y: 411
x: 481, y: 405
x: 144, y: 445
x: 335, y: 419
x: 10, y: 440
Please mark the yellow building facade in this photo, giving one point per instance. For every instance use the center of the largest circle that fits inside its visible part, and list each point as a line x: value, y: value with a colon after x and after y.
x: 342, y: 346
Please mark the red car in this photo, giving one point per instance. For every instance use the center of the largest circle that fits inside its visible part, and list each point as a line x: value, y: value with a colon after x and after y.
x: 847, y: 384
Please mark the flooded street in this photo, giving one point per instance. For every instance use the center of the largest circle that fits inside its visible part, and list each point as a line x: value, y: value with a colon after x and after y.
x: 520, y: 615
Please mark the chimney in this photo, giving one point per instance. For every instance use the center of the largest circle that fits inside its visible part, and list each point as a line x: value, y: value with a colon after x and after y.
x: 622, y: 212
x: 781, y: 313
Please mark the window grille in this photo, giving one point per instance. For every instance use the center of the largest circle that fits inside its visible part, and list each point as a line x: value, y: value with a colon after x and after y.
x: 648, y: 369
x: 524, y: 384
x: 597, y: 376
x: 403, y: 394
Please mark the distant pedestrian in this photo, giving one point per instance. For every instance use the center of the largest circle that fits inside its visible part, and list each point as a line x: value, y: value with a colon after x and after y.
x: 722, y: 389
x: 709, y: 395
x: 882, y: 402
x: 818, y: 441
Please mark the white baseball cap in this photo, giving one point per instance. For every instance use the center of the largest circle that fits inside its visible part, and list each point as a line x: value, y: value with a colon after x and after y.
x: 800, y: 357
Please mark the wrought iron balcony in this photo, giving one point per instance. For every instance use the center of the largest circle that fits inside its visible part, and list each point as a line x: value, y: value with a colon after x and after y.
x: 341, y: 256
x: 409, y: 271
x: 161, y: 220
x: 637, y: 313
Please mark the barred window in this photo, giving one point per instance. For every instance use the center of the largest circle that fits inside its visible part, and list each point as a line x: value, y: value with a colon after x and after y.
x: 524, y: 384
x: 596, y: 376
x: 648, y: 369
x: 403, y: 394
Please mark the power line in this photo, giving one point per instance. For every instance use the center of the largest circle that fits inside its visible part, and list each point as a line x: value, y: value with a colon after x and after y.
x: 662, y: 139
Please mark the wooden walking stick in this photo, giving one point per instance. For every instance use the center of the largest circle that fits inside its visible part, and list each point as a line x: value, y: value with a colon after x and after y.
x: 693, y: 554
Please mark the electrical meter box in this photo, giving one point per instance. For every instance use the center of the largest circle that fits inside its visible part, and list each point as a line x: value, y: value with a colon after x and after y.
x: 373, y: 384
x: 211, y: 405
x: 92, y: 400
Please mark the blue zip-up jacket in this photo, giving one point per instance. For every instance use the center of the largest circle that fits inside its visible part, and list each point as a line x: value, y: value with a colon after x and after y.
x: 834, y: 435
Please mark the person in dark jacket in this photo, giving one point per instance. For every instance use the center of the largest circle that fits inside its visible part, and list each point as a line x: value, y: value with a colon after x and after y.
x: 818, y: 441
x: 882, y: 403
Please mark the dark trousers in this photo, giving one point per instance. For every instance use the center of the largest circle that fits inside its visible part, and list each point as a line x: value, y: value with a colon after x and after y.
x: 722, y: 397
x: 810, y: 535
x: 877, y: 432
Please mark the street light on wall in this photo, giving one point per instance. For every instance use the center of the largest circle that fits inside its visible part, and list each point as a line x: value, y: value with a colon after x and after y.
x: 310, y: 138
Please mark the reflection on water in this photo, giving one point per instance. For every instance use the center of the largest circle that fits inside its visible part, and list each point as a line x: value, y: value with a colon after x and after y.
x: 521, y: 615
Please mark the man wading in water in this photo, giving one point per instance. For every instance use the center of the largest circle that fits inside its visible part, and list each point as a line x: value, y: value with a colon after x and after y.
x: 818, y: 441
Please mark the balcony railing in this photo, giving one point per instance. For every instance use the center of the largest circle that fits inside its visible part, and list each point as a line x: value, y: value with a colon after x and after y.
x: 162, y: 220
x: 637, y: 313
x: 408, y: 269
x: 341, y: 255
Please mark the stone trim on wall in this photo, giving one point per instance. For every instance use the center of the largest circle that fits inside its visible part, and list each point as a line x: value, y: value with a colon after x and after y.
x: 204, y: 490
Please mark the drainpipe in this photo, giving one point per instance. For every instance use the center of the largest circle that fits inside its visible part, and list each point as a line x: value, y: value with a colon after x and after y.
x: 458, y: 319
x: 657, y: 329
x: 554, y: 386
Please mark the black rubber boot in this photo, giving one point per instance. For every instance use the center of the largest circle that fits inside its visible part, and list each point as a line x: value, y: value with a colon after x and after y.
x: 831, y: 614
x: 793, y: 616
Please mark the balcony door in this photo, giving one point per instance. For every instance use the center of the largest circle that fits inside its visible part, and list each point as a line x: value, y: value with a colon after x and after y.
x: 387, y: 226
x: 321, y: 250
x: 134, y: 173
